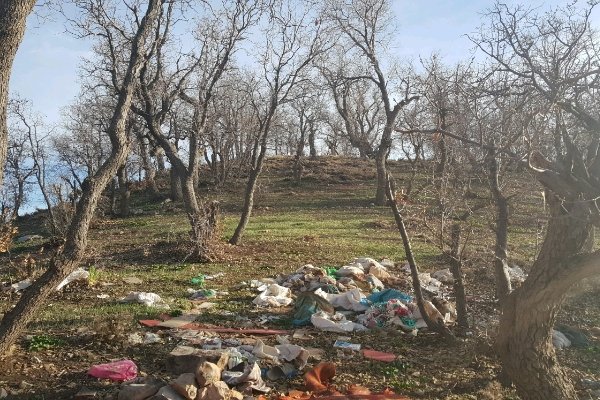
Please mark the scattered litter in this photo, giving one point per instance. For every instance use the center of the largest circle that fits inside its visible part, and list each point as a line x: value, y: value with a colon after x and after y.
x: 444, y: 276
x: 198, y: 280
x: 378, y: 355
x: 559, y: 340
x: 24, y: 284
x: 146, y: 298
x: 102, y: 296
x: 340, y: 344
x: 334, y: 323
x: 147, y: 338
x: 307, y: 304
x: 317, y: 379
x: 202, y: 294
x: 516, y: 274
x: 352, y: 300
x: 429, y: 283
x: 575, y: 336
x: 274, y: 296
x: 214, y: 276
x: 123, y: 370
x: 79, y: 274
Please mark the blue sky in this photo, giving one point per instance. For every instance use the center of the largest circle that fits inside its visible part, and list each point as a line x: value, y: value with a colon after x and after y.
x: 45, y: 69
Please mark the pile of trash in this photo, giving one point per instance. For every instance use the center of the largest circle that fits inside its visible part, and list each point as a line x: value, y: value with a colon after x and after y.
x: 355, y: 297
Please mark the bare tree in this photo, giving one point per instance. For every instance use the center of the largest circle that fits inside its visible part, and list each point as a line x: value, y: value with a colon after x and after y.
x: 556, y: 57
x: 64, y: 262
x: 365, y: 24
x: 292, y: 43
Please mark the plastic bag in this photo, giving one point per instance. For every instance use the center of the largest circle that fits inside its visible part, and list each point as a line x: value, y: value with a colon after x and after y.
x: 123, y: 370
x: 146, y: 298
x: 79, y: 274
x: 274, y: 296
x: 351, y: 300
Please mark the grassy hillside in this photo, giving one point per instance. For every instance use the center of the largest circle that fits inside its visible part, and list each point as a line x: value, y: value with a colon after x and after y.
x: 326, y: 220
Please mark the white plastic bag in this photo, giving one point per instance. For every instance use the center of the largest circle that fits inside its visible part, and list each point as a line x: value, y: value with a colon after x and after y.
x: 79, y: 274
x: 274, y: 296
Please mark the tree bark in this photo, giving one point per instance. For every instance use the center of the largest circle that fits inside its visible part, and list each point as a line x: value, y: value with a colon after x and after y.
x: 175, y: 185
x: 16, y: 319
x: 13, y: 17
x: 149, y: 170
x: 124, y: 192
x: 381, y: 165
x: 524, y: 342
x: 458, y: 285
x: 247, y: 208
x: 503, y: 285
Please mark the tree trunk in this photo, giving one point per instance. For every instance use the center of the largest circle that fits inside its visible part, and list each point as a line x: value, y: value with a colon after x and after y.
x: 124, y: 192
x: 457, y: 274
x: 435, y: 326
x: 311, y: 144
x: 16, y: 319
x: 503, y: 285
x: 247, y: 209
x: 381, y: 165
x: 149, y: 170
x: 524, y: 341
x: 13, y: 17
x: 176, y: 185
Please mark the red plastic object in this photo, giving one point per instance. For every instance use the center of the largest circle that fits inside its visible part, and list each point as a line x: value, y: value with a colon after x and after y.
x: 123, y: 370
x: 378, y: 355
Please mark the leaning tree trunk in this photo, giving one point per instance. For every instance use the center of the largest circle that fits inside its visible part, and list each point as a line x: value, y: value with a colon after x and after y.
x: 503, y: 285
x: 247, y: 208
x: 524, y: 341
x: 16, y: 319
x: 435, y: 326
x: 13, y: 17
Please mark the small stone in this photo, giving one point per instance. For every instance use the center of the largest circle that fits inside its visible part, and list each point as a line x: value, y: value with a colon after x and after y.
x: 208, y: 373
x: 595, y: 331
x: 215, y: 391
x: 186, y: 386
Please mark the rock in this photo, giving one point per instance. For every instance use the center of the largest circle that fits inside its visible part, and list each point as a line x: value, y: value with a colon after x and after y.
x: 208, y: 373
x: 215, y: 391
x: 83, y: 394
x: 595, y: 331
x: 3, y: 393
x: 186, y: 385
x: 139, y: 389
x: 187, y: 359
x: 166, y: 393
